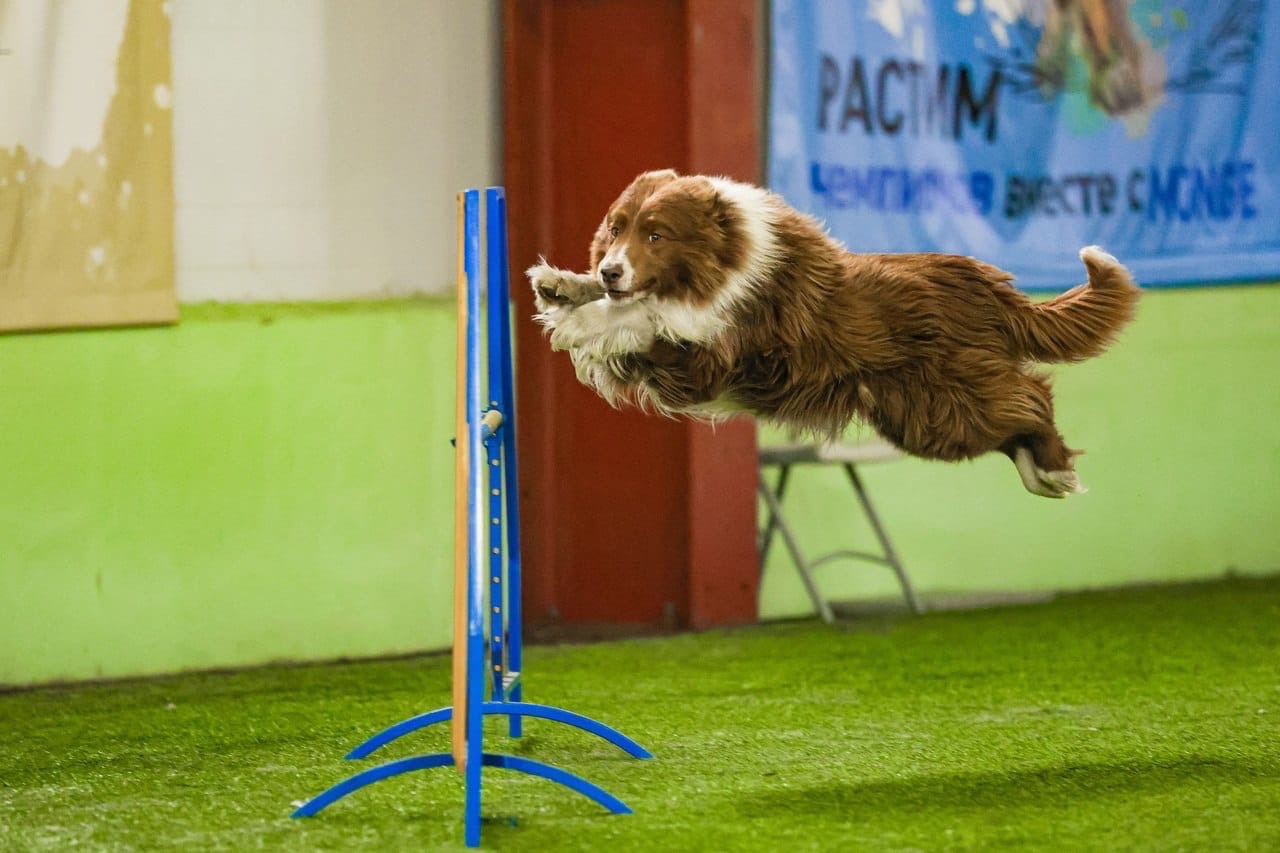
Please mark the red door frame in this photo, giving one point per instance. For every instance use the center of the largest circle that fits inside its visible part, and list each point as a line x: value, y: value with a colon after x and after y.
x: 626, y: 518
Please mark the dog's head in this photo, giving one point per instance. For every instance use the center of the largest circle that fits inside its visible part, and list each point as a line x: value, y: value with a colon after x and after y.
x: 673, y: 238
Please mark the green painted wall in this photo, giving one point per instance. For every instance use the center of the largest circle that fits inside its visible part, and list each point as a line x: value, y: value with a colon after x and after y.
x: 258, y: 483
x: 270, y: 482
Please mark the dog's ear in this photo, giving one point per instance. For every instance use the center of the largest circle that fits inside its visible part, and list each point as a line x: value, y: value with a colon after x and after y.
x: 699, y: 204
x: 646, y: 183
x: 714, y: 206
x: 698, y: 190
x: 658, y: 177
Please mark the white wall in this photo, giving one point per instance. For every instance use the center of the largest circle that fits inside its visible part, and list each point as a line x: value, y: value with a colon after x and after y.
x: 318, y: 144
x: 49, y: 105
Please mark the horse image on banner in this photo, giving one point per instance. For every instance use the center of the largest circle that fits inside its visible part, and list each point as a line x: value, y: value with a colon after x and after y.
x: 1020, y: 130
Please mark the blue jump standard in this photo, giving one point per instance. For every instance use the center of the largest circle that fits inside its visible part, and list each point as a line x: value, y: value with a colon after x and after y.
x: 493, y: 657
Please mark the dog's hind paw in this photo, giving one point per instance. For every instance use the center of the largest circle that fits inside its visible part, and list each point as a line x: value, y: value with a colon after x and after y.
x: 1061, y: 483
x: 1049, y: 484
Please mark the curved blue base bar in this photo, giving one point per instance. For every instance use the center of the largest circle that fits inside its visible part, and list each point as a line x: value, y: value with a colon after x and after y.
x: 368, y: 777
x: 555, y: 774
x: 560, y: 715
x: 404, y: 727
x: 513, y: 709
x: 444, y: 759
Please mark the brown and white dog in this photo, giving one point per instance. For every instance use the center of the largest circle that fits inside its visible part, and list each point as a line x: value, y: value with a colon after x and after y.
x: 707, y: 297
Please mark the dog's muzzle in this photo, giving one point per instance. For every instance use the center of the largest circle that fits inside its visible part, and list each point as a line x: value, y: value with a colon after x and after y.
x: 616, y: 279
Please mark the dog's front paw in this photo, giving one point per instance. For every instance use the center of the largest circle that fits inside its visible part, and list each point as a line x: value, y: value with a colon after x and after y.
x: 545, y: 280
x: 556, y: 288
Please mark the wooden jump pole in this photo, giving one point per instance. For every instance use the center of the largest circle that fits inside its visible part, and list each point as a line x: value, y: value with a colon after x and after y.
x: 458, y: 737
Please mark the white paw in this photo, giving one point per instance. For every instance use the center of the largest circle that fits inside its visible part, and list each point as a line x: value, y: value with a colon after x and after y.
x: 542, y: 278
x: 555, y: 288
x: 602, y: 329
x: 552, y: 309
x: 1049, y: 484
x: 577, y: 327
x: 1061, y: 483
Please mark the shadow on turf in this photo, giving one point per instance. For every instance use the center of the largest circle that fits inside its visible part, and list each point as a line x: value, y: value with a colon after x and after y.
x: 1003, y: 790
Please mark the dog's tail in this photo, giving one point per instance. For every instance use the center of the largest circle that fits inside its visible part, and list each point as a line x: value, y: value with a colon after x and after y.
x: 1082, y: 322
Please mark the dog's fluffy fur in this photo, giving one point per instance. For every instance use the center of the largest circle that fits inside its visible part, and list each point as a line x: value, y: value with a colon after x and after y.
x: 708, y: 296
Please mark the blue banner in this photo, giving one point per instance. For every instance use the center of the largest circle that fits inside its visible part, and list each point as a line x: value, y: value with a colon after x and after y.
x: 1019, y: 131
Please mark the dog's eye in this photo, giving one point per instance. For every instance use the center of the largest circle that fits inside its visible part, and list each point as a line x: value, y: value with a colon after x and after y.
x: 613, y: 233
x: 654, y: 236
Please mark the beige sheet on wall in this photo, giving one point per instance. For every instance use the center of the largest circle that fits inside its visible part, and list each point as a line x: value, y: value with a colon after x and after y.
x: 86, y: 164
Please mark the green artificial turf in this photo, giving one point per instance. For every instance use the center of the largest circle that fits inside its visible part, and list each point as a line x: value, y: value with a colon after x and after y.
x: 1136, y: 719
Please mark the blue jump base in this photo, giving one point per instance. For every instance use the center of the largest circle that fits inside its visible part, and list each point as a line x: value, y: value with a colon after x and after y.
x: 488, y: 759
x: 493, y: 657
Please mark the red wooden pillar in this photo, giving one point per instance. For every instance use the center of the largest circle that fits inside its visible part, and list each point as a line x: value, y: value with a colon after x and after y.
x: 626, y: 518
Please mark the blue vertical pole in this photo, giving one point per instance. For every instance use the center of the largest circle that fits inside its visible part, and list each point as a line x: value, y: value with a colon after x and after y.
x: 475, y: 524
x: 496, y: 313
x: 503, y: 346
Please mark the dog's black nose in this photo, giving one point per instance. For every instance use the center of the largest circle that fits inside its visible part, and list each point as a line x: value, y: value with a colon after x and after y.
x: 611, y: 274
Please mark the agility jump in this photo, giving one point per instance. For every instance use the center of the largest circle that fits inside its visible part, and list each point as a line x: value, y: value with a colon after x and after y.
x: 485, y: 655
